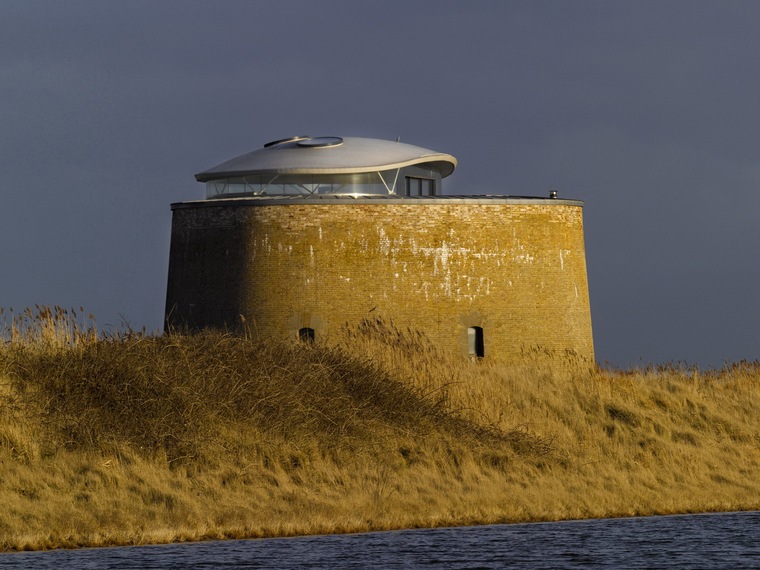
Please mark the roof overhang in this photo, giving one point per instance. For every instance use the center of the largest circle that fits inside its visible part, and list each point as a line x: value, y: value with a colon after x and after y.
x: 350, y: 155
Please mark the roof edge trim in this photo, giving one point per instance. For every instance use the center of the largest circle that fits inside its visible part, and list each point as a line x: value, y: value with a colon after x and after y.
x: 446, y: 160
x: 349, y: 199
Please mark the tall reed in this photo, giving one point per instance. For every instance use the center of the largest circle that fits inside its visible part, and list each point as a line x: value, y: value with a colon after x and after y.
x: 131, y: 438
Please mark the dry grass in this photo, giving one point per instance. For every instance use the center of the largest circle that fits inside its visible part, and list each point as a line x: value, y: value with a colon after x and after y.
x: 134, y: 438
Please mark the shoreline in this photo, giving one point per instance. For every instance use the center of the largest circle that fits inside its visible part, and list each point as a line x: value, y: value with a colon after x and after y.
x: 160, y: 539
x: 310, y: 513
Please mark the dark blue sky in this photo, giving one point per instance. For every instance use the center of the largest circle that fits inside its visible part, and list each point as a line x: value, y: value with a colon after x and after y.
x: 647, y: 111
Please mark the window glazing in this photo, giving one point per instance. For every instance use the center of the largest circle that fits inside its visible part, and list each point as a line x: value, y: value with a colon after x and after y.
x: 380, y: 182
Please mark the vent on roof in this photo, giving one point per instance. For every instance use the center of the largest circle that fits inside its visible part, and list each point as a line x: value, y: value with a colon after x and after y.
x: 287, y: 140
x: 318, y: 142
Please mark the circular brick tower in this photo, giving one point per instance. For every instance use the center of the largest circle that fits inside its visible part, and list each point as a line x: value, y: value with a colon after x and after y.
x: 307, y: 234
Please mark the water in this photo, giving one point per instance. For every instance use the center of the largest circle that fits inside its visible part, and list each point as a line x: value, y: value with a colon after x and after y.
x: 689, y: 541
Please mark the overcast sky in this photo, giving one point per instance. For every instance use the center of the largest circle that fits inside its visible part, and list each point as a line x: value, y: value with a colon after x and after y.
x: 646, y: 111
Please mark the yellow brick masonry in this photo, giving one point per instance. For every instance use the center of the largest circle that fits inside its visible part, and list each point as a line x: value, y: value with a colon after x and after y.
x: 516, y: 270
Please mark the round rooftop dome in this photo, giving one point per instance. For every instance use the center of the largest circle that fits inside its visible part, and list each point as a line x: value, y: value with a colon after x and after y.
x: 329, y: 155
x: 330, y: 165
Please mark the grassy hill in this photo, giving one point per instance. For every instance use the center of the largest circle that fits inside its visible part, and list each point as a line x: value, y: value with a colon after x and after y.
x: 133, y: 438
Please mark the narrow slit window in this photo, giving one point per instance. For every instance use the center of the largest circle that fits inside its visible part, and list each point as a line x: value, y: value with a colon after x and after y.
x: 475, y: 342
x: 306, y: 335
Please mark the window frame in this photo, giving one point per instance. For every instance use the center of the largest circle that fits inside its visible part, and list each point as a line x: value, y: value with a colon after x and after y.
x: 476, y: 346
x: 424, y: 186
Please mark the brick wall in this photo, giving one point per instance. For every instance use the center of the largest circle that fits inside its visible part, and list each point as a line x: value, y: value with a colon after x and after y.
x: 516, y: 269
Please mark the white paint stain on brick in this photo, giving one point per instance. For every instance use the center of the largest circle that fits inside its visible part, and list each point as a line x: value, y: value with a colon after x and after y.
x: 446, y: 284
x: 426, y: 290
x: 465, y: 261
x: 522, y: 255
x: 384, y: 241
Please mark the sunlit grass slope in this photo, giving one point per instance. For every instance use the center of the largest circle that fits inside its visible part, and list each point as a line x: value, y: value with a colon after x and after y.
x: 133, y: 438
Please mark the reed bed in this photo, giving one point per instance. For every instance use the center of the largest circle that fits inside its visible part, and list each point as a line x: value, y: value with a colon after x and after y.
x: 131, y: 438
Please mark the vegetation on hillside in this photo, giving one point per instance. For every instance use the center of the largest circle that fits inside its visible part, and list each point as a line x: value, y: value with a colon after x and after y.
x: 133, y: 438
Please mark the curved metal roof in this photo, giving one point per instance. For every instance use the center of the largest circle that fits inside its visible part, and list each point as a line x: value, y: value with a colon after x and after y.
x: 329, y: 155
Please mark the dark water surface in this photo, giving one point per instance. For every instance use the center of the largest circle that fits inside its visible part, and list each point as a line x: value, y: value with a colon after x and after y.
x: 688, y: 541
